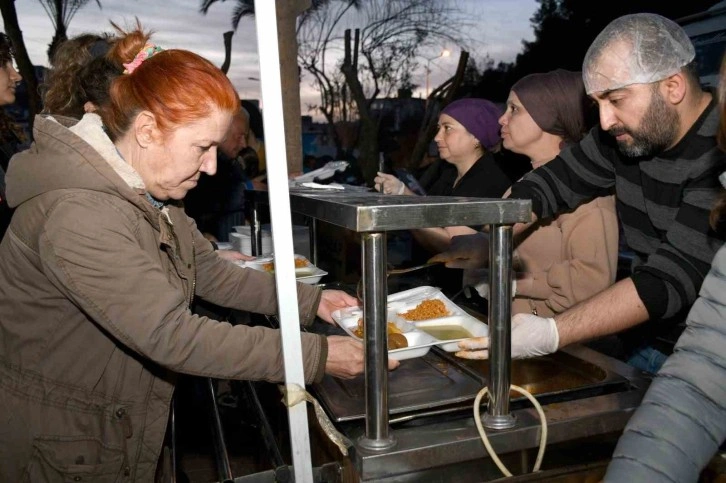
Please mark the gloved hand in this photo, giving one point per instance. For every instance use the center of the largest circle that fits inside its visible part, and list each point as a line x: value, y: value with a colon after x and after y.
x: 389, y: 184
x: 466, y: 251
x: 478, y: 278
x: 532, y: 336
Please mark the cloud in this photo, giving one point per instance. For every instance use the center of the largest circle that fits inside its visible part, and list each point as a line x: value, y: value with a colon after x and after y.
x: 498, y: 30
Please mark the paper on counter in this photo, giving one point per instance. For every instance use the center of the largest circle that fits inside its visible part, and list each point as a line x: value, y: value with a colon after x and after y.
x: 331, y: 186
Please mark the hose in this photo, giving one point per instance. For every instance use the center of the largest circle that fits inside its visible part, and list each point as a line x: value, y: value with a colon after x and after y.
x: 487, y: 444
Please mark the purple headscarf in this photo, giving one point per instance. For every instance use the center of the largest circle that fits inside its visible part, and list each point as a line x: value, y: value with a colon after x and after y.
x: 479, y: 116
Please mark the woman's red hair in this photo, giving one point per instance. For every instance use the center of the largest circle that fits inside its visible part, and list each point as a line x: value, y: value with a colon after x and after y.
x: 177, y: 86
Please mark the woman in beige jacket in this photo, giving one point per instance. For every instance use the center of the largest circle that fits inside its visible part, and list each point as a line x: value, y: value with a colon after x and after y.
x: 100, y: 266
x: 565, y: 260
x: 562, y: 261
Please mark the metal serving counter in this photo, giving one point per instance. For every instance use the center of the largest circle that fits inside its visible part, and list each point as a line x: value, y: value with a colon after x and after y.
x: 371, y: 215
x: 404, y: 424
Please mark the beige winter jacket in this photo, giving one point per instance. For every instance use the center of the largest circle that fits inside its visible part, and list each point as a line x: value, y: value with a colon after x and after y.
x: 567, y: 259
x: 95, y: 285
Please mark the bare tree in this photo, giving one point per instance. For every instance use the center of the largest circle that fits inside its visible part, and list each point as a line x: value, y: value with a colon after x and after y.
x: 287, y: 14
x: 392, y: 36
x: 61, y: 12
x: 318, y: 35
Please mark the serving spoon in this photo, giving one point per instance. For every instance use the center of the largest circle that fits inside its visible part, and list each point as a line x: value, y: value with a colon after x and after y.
x: 393, y: 271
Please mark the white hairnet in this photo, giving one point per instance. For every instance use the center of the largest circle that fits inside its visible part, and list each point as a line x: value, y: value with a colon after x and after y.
x: 635, y: 49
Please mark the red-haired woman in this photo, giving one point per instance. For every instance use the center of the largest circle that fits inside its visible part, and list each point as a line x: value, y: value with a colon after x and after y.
x: 100, y: 266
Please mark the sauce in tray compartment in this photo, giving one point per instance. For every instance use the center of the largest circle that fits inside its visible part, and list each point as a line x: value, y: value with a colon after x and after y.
x: 446, y: 332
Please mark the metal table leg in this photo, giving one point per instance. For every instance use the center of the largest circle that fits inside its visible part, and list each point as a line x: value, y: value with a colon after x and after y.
x: 375, y: 293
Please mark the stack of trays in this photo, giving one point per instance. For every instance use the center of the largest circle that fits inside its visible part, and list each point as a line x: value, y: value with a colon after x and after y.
x: 424, y: 316
x: 242, y: 240
x: 305, y: 271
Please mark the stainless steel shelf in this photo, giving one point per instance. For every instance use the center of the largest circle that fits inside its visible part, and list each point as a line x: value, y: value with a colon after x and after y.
x: 374, y: 212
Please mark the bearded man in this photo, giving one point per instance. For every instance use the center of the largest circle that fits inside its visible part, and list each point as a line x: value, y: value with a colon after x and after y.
x: 656, y: 149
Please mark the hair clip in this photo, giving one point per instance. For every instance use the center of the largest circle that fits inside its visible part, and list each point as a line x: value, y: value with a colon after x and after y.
x: 147, y: 52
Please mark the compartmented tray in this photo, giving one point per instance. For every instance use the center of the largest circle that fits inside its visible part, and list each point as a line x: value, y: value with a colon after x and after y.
x: 424, y: 316
x: 305, y: 271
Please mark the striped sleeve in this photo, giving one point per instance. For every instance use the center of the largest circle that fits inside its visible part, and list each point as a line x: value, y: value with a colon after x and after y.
x: 668, y: 282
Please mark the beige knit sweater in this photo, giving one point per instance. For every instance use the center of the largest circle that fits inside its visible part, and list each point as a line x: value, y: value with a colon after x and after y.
x: 566, y: 260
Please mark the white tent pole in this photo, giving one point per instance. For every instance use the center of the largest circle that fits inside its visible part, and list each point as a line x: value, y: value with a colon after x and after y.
x: 279, y: 195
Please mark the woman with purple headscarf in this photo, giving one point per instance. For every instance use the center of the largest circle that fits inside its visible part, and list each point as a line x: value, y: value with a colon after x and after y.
x: 467, y: 136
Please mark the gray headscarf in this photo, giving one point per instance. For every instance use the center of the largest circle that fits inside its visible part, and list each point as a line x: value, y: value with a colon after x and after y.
x: 556, y: 101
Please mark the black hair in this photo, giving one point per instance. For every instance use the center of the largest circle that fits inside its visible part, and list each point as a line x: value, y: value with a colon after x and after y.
x: 95, y: 79
x: 7, y: 53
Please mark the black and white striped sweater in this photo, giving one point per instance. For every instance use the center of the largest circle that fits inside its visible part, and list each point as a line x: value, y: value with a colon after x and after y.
x: 663, y: 203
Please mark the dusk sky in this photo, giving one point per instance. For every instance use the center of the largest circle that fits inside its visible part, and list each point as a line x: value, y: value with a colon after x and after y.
x: 499, y: 32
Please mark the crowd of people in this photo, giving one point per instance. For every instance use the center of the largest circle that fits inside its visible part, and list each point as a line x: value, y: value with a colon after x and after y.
x: 139, y: 165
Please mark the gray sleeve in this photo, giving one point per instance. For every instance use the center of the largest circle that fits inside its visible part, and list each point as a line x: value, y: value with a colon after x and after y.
x: 682, y: 420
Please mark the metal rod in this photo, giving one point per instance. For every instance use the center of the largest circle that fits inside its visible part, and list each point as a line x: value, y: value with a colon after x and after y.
x: 268, y: 436
x: 220, y: 448
x: 314, y: 240
x: 173, y: 440
x: 375, y: 293
x: 500, y: 327
x: 256, y: 231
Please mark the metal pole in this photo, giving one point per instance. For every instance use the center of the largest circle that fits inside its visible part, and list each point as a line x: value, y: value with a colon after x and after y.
x: 173, y: 441
x: 314, y: 240
x: 220, y: 448
x: 279, y: 196
x: 375, y: 294
x: 256, y: 230
x: 500, y: 327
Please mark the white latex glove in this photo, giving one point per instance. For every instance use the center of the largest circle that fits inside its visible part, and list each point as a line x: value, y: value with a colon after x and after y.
x: 532, y: 336
x: 389, y: 184
x: 466, y: 251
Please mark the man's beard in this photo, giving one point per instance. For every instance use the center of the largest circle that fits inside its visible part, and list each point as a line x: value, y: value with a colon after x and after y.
x: 656, y: 132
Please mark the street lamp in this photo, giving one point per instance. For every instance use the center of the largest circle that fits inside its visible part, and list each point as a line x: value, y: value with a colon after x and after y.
x: 444, y: 53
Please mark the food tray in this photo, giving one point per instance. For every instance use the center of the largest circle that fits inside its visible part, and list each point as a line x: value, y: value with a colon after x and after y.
x: 419, y: 340
x: 307, y: 273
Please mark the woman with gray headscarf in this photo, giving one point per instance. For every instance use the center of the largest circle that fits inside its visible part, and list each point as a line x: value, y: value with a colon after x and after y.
x: 564, y: 260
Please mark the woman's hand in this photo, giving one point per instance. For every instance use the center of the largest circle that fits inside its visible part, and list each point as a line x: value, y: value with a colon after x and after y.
x: 332, y: 300
x: 389, y: 184
x: 346, y: 359
x: 466, y: 251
